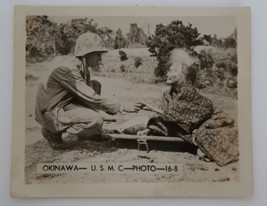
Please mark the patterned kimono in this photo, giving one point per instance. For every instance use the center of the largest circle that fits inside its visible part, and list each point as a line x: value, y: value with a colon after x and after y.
x: 188, y: 114
x: 218, y: 138
x: 184, y: 109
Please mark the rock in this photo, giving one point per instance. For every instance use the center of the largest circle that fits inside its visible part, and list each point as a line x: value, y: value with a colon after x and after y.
x: 234, y: 168
x: 223, y: 179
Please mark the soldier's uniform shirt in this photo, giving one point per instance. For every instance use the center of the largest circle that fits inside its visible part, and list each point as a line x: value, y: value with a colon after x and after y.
x: 65, y: 86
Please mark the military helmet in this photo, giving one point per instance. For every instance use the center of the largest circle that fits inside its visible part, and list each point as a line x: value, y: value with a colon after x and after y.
x: 89, y: 42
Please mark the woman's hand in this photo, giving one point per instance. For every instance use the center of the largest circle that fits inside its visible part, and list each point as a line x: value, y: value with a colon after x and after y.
x: 148, y: 107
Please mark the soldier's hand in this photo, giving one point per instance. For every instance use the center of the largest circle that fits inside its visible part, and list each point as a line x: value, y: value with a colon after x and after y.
x: 131, y: 108
x: 140, y: 105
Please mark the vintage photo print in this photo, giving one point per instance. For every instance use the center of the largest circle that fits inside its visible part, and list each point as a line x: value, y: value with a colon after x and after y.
x: 131, y: 102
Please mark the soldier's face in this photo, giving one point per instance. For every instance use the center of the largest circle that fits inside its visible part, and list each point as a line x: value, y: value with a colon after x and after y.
x: 175, y: 74
x: 94, y: 59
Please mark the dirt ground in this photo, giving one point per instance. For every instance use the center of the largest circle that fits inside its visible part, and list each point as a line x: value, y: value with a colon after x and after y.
x: 37, y: 149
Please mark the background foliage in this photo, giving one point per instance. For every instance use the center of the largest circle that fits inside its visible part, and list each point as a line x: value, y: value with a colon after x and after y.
x: 217, y: 70
x: 47, y: 39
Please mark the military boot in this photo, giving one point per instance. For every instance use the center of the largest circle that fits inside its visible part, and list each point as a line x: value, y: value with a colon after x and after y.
x: 55, y: 140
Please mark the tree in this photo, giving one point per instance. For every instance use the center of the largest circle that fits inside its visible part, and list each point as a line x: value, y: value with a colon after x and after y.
x: 62, y: 43
x: 136, y: 35
x: 40, y: 34
x: 120, y: 40
x: 46, y: 38
x: 76, y: 27
x: 228, y: 42
x: 174, y: 35
x: 215, y: 41
x: 231, y: 41
x: 106, y: 34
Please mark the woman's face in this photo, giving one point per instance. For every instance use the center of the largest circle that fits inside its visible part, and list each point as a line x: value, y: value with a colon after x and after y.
x: 94, y: 59
x: 175, y: 74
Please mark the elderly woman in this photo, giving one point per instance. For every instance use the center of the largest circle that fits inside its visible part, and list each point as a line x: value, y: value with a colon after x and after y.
x: 185, y: 113
x: 182, y: 109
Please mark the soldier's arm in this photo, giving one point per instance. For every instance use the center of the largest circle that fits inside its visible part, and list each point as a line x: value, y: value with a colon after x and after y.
x: 73, y: 82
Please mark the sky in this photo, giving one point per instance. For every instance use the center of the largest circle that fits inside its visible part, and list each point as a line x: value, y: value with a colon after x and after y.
x: 222, y: 26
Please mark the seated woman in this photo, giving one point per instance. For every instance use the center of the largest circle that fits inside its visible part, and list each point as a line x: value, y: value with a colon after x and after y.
x: 183, y: 108
x: 185, y: 113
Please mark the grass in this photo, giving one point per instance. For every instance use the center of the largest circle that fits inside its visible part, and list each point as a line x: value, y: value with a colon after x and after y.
x: 115, y: 68
x: 223, y: 91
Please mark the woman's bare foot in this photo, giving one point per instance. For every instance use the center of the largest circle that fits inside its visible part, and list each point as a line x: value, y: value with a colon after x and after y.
x: 143, y: 132
x: 202, y: 156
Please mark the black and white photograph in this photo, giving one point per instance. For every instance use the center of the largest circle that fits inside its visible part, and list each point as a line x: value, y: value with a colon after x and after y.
x: 134, y: 99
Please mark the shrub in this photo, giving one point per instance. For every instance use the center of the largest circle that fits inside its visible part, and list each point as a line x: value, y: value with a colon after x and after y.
x: 136, y: 35
x: 45, y: 39
x: 123, y: 55
x: 221, y: 77
x: 122, y: 68
x: 206, y: 60
x: 174, y: 35
x: 120, y: 41
x: 138, y: 61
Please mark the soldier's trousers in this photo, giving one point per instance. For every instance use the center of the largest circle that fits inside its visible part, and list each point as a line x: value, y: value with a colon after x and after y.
x: 80, y: 120
x: 77, y: 119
